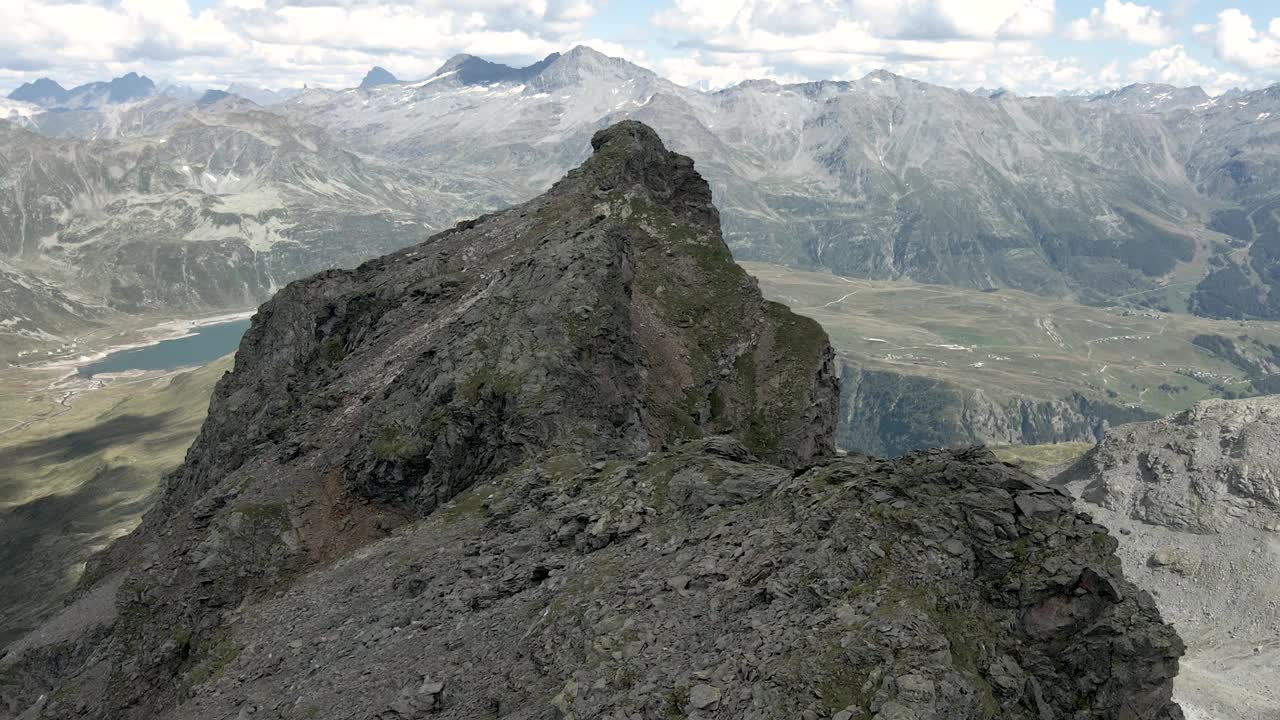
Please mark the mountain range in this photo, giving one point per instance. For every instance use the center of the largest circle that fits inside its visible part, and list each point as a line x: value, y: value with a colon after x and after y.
x: 49, y: 94
x: 215, y: 209
x: 885, y: 177
x: 1146, y: 196
x: 1155, y: 194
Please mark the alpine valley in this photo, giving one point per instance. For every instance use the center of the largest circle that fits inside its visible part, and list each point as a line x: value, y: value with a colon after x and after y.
x: 1145, y: 202
x: 989, y: 269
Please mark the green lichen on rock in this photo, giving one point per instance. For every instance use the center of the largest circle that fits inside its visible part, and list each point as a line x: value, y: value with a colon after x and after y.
x: 488, y: 380
x: 396, y: 442
x: 215, y: 660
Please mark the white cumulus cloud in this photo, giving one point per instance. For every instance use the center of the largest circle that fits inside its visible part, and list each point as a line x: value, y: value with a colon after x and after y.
x: 1120, y: 20
x: 1173, y: 66
x: 276, y: 42
x: 1235, y: 40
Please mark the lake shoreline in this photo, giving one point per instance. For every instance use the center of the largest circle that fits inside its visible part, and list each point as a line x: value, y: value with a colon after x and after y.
x: 156, y: 334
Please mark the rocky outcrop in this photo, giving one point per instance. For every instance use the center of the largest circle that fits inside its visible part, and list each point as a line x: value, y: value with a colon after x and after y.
x: 699, y: 582
x: 564, y: 461
x: 1214, y: 464
x: 606, y: 316
x: 1195, y: 500
x: 888, y: 414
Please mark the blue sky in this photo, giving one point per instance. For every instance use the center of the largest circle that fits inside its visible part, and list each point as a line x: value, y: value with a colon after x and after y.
x: 1028, y: 46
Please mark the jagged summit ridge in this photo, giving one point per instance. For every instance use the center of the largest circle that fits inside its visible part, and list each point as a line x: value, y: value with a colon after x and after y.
x: 578, y: 418
x: 599, y: 261
x: 467, y: 69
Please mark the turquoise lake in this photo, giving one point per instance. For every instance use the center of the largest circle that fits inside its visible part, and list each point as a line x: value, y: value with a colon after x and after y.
x: 205, y: 344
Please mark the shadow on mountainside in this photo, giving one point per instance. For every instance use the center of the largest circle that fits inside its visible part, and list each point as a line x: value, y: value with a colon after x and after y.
x: 45, y: 541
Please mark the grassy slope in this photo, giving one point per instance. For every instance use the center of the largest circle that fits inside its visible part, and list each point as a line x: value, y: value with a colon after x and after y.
x: 1015, y: 344
x: 81, y: 474
x: 1035, y: 457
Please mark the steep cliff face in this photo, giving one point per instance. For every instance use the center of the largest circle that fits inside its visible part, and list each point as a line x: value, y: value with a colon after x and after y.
x: 1195, y: 499
x: 564, y: 461
x: 889, y: 414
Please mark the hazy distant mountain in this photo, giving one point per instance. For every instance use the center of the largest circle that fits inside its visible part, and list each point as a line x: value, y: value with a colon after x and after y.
x: 262, y: 96
x: 1151, y: 98
x: 218, y: 211
x: 377, y: 76
x: 43, y: 92
x: 109, y: 122
x: 183, y: 92
x: 883, y: 177
x: 49, y: 94
x: 212, y: 96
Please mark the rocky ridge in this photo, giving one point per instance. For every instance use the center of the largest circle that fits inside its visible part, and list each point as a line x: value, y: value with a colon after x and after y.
x: 1195, y: 499
x: 49, y: 94
x: 564, y: 461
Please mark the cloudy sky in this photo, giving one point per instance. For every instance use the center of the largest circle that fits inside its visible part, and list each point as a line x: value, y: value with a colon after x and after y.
x: 1029, y: 46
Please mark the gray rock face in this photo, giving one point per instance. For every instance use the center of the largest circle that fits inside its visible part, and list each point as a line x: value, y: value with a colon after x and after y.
x: 606, y: 315
x: 1214, y: 464
x: 564, y: 461
x: 944, y: 585
x: 1194, y: 500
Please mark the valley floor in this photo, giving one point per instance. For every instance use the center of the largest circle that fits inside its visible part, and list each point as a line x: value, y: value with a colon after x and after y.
x: 1014, y: 345
x: 80, y: 458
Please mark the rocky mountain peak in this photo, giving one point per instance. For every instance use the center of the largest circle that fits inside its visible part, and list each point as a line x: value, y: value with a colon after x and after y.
x: 756, y: 84
x: 631, y: 152
x: 213, y: 96
x: 1150, y: 97
x: 646, y: 332
x: 130, y: 86
x: 377, y: 76
x: 43, y: 91
x: 464, y: 69
x: 583, y: 64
